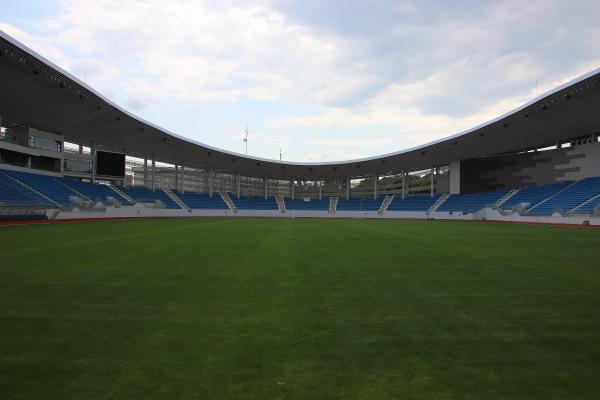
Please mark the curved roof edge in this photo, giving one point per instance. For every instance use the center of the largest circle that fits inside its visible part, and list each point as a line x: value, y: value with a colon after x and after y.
x: 376, y: 158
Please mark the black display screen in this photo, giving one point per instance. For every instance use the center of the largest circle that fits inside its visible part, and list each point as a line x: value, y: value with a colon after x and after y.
x: 110, y: 164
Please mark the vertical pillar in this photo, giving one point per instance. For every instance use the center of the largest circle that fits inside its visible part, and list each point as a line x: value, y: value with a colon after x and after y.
x: 93, y: 157
x: 153, y: 172
x: 375, y: 187
x: 455, y: 177
x: 182, y: 180
x: 432, y: 180
x: 347, y: 188
x: 176, y: 185
x: 237, y: 185
x: 594, y: 137
x: 293, y: 191
x: 146, y: 171
x: 405, y: 185
x: 320, y: 190
x: 210, y: 183
x: 265, y: 187
x: 62, y: 151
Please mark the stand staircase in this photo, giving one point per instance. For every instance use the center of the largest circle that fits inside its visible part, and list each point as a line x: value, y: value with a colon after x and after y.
x: 333, y: 204
x: 176, y: 199
x: 280, y: 203
x: 228, y: 201
x: 551, y: 197
x: 385, y: 203
x: 505, y: 198
x: 438, y: 203
x: 122, y: 194
x: 574, y: 209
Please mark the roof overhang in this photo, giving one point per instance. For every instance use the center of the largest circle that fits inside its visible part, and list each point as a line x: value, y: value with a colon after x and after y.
x: 38, y: 93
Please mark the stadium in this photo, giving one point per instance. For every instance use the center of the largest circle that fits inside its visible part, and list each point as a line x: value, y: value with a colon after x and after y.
x: 205, y: 273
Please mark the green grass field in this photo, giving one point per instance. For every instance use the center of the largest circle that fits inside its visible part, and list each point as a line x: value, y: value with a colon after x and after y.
x: 299, y: 309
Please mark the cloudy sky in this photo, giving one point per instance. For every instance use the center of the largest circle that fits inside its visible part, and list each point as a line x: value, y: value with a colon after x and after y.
x: 322, y: 80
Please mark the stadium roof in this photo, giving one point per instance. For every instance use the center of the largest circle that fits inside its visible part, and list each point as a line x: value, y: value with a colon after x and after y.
x: 36, y: 92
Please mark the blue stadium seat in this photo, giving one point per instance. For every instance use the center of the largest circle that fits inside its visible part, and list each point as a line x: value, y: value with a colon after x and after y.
x: 13, y: 194
x: 145, y: 195
x: 255, y: 203
x: 589, y: 207
x: 202, y: 200
x: 48, y: 185
x: 419, y: 202
x: 358, y: 204
x: 471, y: 202
x: 569, y: 198
x: 92, y: 191
x: 534, y: 194
x: 301, y: 204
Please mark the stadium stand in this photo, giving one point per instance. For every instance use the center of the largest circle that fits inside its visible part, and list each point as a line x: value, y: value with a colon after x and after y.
x: 471, y: 202
x: 301, y: 204
x: 421, y: 202
x: 201, y: 200
x: 13, y: 194
x: 569, y: 198
x: 97, y: 192
x: 47, y: 185
x: 590, y: 206
x: 358, y: 204
x: 145, y: 195
x: 255, y: 203
x: 534, y: 194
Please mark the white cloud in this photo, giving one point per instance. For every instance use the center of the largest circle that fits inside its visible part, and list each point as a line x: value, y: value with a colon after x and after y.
x: 426, y: 73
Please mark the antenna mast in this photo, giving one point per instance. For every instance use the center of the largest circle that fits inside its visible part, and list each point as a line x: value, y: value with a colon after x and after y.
x: 246, y: 139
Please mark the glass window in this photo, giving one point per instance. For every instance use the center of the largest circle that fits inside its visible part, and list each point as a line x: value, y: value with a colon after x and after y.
x: 40, y: 142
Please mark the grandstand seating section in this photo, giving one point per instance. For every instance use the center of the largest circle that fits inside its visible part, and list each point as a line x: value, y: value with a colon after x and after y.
x: 13, y: 194
x: 93, y: 191
x: 145, y: 195
x: 301, y: 204
x: 569, y: 198
x: 202, y: 200
x: 471, y: 202
x: 420, y: 202
x: 534, y: 194
x: 358, y: 204
x: 589, y: 207
x: 581, y: 196
x: 48, y: 185
x: 255, y: 203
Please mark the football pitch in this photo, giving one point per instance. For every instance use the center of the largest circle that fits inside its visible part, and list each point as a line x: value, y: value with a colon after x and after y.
x: 299, y: 309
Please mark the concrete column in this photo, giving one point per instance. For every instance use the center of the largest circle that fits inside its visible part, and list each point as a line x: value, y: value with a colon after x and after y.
x: 404, y: 185
x: 153, y: 173
x: 293, y: 189
x: 347, y: 188
x: 80, y: 149
x: 455, y: 177
x: 146, y: 171
x: 375, y: 187
x: 176, y: 185
x: 29, y: 165
x: 320, y: 190
x: 237, y: 186
x: 210, y: 183
x: 266, y: 188
x: 432, y: 180
x: 182, y: 180
x: 93, y: 156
